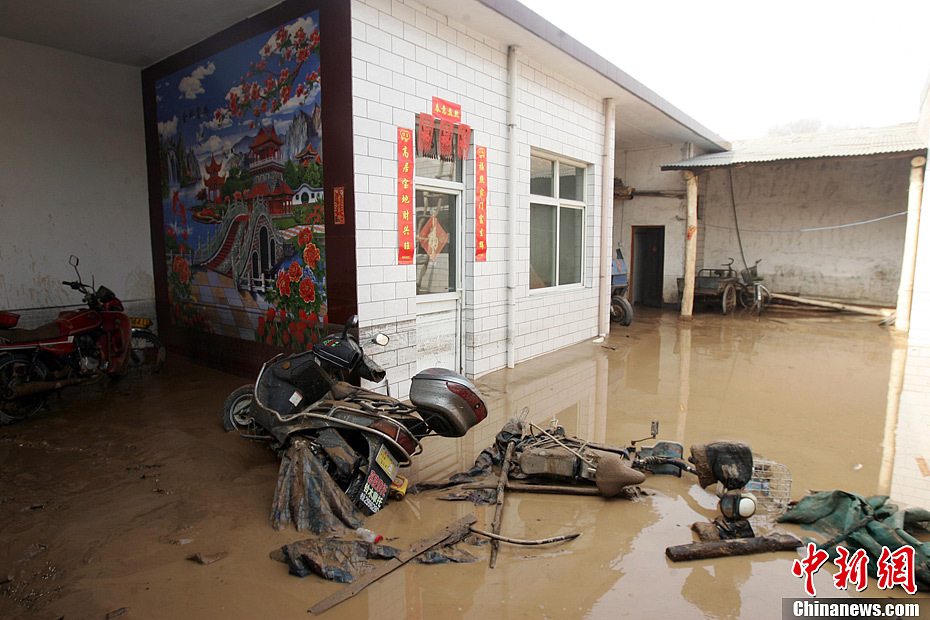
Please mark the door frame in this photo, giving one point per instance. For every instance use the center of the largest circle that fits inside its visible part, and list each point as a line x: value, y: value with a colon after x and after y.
x: 635, y: 271
x: 440, y: 302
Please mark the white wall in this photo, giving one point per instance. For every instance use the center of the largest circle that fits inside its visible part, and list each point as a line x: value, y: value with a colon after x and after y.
x: 72, y: 181
x: 910, y: 479
x: 403, y: 55
x: 860, y: 263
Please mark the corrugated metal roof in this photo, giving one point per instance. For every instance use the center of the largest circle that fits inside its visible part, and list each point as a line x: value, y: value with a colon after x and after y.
x: 845, y: 143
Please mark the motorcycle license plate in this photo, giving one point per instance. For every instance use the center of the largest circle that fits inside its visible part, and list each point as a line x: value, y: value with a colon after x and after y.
x: 381, y: 473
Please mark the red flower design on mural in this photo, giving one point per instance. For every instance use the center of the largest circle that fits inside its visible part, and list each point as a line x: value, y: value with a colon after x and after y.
x: 284, y: 285
x: 305, y: 236
x: 295, y: 272
x: 307, y: 290
x: 269, y: 83
x: 182, y: 268
x: 311, y: 255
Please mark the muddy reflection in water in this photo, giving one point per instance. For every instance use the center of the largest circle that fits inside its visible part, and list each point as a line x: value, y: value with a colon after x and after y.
x: 104, y: 496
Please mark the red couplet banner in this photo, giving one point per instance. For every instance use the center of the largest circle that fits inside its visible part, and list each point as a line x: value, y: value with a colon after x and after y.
x: 481, y: 203
x: 405, y: 196
x: 446, y: 110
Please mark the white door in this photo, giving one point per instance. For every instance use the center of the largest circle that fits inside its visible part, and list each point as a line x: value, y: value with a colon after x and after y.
x: 439, y: 277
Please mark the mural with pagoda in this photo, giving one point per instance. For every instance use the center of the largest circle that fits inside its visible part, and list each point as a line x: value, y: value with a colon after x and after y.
x: 241, y: 161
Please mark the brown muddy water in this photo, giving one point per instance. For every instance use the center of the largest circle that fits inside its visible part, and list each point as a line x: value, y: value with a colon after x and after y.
x: 104, y: 495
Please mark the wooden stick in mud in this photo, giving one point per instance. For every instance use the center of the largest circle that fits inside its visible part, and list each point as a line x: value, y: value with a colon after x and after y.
x: 499, y: 509
x: 733, y: 546
x: 883, y: 312
x: 520, y: 541
x: 522, y: 487
x: 449, y: 535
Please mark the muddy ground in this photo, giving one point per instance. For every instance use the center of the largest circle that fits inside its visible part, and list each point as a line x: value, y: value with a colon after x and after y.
x: 105, y: 495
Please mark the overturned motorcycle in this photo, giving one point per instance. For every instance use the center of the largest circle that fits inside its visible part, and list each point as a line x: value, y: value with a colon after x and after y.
x: 341, y: 446
x: 79, y: 347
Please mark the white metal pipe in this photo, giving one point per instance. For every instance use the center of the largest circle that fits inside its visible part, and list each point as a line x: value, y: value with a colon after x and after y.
x: 909, y: 261
x: 607, y: 218
x: 512, y: 206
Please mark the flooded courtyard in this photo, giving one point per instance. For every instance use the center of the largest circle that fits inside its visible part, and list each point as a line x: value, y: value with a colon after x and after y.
x: 105, y: 495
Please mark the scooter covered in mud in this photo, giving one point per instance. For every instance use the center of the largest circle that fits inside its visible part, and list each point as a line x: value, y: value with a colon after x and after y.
x: 328, y: 431
x: 80, y: 346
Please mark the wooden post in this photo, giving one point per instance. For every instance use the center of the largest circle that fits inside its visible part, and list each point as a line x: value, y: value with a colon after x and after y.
x: 731, y: 547
x: 909, y: 262
x: 499, y: 508
x: 687, y: 296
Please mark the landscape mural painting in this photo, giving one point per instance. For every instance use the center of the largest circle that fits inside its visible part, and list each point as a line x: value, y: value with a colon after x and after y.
x: 241, y: 163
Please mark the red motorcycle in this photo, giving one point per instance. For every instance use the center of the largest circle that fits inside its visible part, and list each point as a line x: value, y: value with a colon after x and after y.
x: 81, y: 346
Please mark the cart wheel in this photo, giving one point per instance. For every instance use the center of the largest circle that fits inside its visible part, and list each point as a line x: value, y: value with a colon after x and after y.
x: 621, y: 311
x: 729, y: 299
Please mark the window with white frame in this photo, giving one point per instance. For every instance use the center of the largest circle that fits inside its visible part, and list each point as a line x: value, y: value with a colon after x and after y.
x: 438, y: 196
x: 557, y: 203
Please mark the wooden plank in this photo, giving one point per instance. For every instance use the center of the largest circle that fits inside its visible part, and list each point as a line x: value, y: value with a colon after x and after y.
x: 454, y: 532
x: 882, y: 312
x: 499, y: 509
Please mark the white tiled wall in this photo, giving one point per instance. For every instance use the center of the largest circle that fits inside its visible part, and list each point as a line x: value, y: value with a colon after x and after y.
x: 910, y: 481
x: 403, y: 55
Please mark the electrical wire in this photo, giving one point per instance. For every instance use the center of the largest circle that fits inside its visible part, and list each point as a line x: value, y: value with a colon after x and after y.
x: 800, y: 230
x: 739, y: 238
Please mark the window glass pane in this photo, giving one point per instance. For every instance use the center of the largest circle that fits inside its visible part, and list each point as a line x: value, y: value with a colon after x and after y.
x: 542, y: 245
x: 430, y: 165
x: 541, y: 176
x: 435, y: 242
x: 571, y: 182
x: 570, y: 245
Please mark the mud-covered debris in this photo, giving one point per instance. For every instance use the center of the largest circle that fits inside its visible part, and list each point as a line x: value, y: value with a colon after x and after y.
x: 343, y: 561
x: 207, y: 558
x: 307, y: 496
x: 116, y: 613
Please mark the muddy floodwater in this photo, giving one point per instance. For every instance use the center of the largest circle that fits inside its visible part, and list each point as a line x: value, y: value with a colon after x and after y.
x: 105, y: 495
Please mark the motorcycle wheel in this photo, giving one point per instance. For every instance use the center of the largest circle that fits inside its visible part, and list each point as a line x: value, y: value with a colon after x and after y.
x: 148, y: 353
x: 236, y: 416
x: 621, y: 311
x: 16, y: 369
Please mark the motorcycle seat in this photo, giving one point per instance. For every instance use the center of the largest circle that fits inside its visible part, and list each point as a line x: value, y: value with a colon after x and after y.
x: 49, y: 331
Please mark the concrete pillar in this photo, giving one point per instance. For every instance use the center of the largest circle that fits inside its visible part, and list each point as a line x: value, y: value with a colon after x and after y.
x: 909, y: 262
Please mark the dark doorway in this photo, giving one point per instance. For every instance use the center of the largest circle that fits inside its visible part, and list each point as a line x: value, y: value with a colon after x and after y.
x: 648, y: 265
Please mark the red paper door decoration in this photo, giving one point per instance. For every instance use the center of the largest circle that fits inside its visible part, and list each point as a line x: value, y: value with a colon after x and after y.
x: 464, y: 141
x: 445, y: 139
x: 481, y: 203
x: 425, y: 125
x: 405, y: 235
x: 339, y: 205
x: 433, y: 238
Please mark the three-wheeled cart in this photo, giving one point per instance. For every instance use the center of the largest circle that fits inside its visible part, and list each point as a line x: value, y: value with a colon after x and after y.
x: 712, y: 285
x: 621, y: 310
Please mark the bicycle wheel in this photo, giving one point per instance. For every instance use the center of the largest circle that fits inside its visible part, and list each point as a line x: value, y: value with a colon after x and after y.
x: 747, y: 297
x: 728, y: 300
x: 762, y: 300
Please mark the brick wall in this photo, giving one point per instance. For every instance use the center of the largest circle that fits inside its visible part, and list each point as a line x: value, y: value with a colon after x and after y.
x: 403, y: 55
